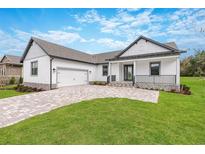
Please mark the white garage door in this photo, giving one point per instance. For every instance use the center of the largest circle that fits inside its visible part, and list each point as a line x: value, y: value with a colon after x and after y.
x: 70, y: 77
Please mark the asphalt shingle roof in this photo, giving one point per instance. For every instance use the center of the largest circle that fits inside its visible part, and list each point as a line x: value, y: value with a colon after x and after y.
x: 12, y: 59
x: 59, y: 51
x: 55, y: 50
x: 171, y: 44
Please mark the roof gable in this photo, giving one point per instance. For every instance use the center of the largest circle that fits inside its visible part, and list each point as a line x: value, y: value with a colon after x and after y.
x: 11, y: 59
x: 35, y: 51
x: 146, y: 46
x: 4, y: 59
x: 58, y: 51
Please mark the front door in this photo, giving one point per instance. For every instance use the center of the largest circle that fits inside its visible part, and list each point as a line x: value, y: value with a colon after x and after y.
x: 128, y: 72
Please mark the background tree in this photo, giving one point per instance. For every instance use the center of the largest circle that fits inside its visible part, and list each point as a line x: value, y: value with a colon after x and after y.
x: 194, y: 65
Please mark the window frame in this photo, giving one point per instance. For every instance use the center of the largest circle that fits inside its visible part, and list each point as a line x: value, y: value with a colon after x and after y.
x: 103, y: 70
x: 36, y: 61
x: 156, y: 62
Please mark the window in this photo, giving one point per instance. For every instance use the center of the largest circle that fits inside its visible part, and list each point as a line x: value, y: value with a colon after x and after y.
x: 34, y: 68
x: 1, y: 72
x: 155, y: 68
x: 105, y: 70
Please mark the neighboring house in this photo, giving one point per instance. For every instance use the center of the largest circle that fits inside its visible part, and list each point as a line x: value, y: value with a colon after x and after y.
x: 10, y: 66
x: 144, y: 63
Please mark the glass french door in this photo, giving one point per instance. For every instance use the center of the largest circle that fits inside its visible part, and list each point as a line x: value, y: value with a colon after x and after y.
x: 128, y: 72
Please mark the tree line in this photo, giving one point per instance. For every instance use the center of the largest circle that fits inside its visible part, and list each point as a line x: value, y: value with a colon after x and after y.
x: 194, y: 65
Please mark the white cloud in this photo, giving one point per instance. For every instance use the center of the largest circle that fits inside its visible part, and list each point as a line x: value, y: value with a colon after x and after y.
x: 90, y: 16
x: 10, y: 44
x: 112, y: 44
x: 17, y: 42
x: 59, y: 36
x: 182, y: 26
x: 73, y: 28
x: 122, y: 23
x: 133, y: 9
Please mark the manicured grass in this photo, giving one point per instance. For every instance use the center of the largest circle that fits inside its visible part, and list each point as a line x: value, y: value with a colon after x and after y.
x: 8, y: 87
x: 176, y: 119
x: 9, y: 93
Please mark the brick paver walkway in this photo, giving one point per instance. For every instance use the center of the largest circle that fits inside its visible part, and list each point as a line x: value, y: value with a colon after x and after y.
x: 15, y: 109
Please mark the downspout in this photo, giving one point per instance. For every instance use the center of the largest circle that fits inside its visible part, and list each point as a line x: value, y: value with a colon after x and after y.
x: 51, y: 59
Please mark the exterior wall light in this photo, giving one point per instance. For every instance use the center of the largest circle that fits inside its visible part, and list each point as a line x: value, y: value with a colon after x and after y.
x: 54, y: 70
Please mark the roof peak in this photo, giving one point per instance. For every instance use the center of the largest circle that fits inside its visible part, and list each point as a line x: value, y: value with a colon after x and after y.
x: 93, y: 54
x: 34, y: 38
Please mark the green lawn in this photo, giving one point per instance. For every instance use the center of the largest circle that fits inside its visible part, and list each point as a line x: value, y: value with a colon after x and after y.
x: 176, y: 119
x: 8, y: 87
x: 9, y: 93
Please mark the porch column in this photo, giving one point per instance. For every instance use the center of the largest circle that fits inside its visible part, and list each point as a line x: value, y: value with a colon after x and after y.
x: 109, y: 71
x: 134, y: 71
x: 120, y: 72
x: 178, y: 71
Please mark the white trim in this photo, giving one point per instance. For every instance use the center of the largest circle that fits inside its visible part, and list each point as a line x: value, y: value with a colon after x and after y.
x: 153, y: 58
x: 109, y: 71
x: 134, y: 68
x: 35, y: 57
x: 178, y: 71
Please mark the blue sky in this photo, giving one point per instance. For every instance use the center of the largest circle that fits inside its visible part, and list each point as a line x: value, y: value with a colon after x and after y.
x: 101, y: 30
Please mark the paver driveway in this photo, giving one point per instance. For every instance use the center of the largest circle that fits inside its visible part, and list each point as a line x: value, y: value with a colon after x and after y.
x: 18, y: 108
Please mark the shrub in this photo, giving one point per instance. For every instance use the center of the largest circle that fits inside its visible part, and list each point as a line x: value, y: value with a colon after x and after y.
x: 20, y: 80
x: 22, y: 88
x: 173, y: 90
x: 12, y: 80
x: 98, y: 83
x: 185, y: 90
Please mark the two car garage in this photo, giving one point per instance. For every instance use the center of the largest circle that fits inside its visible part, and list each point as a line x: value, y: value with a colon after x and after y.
x: 71, y: 77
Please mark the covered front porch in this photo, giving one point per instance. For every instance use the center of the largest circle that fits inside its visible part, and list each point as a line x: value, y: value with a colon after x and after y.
x: 151, y: 73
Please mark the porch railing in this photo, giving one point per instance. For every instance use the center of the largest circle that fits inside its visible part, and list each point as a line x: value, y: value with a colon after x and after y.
x: 158, y: 79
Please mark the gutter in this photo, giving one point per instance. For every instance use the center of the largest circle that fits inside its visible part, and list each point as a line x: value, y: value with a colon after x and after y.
x: 51, y: 60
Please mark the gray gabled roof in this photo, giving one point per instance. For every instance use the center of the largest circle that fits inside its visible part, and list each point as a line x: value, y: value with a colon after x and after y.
x: 102, y: 57
x: 55, y: 50
x: 170, y: 46
x: 12, y: 59
x: 58, y: 51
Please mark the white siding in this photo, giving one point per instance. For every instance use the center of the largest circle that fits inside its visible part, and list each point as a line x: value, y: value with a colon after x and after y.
x: 115, y: 70
x: 143, y: 47
x: 142, y: 67
x: 74, y: 65
x: 99, y: 73
x: 168, y: 66
x: 35, y: 53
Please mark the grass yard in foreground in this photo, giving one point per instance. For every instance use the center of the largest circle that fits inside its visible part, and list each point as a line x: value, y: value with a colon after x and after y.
x: 9, y: 93
x: 176, y: 119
